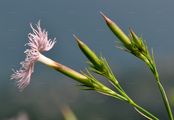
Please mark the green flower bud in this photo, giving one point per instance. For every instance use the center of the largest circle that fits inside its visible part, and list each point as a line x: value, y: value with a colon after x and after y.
x: 117, y: 31
x: 93, y: 58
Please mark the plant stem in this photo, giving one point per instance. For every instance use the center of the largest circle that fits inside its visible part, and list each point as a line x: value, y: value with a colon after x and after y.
x: 166, y: 102
x: 139, y: 109
x: 152, y: 66
x: 164, y: 96
x: 143, y: 112
x: 161, y: 88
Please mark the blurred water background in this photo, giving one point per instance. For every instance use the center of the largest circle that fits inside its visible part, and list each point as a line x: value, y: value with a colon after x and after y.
x: 49, y: 90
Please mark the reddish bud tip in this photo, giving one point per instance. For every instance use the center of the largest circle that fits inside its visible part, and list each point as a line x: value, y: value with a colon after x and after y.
x: 106, y: 18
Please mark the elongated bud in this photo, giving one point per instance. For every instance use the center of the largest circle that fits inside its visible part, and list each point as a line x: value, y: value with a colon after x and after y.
x: 116, y: 30
x: 65, y: 70
x: 134, y: 37
x: 137, y: 40
x: 93, y: 58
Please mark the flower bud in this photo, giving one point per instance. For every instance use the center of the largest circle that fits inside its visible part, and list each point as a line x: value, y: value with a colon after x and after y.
x: 117, y: 31
x: 93, y: 58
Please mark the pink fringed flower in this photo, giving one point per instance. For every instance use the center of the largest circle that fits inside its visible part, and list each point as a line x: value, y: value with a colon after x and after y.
x: 38, y: 42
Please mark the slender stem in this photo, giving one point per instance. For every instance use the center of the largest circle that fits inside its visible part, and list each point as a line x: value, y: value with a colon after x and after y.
x: 152, y: 66
x: 161, y: 88
x: 166, y: 102
x: 144, y: 112
x: 139, y: 109
x: 165, y: 99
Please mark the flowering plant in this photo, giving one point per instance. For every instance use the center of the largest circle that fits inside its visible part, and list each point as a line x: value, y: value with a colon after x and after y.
x: 39, y: 42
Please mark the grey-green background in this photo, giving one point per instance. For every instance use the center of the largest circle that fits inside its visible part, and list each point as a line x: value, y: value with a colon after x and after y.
x: 49, y: 90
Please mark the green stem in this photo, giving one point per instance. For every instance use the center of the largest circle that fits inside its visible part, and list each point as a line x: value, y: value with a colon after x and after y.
x: 151, y: 64
x: 143, y: 112
x: 162, y: 91
x: 139, y: 109
x: 165, y: 99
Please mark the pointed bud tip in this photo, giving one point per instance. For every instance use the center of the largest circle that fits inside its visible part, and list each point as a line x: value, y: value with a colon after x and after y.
x: 106, y: 18
x: 131, y: 30
x: 75, y: 36
x: 79, y: 42
x: 133, y: 33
